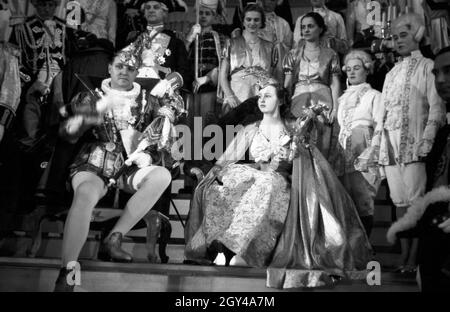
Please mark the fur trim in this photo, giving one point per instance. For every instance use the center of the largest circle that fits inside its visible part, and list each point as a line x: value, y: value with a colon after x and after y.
x: 416, y: 211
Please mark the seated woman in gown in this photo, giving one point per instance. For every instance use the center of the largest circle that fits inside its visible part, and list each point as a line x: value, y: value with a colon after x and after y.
x: 287, y: 209
x: 244, y: 205
x: 323, y: 239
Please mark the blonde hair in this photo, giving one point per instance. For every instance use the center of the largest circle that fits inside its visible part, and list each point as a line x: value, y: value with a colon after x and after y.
x: 361, y: 55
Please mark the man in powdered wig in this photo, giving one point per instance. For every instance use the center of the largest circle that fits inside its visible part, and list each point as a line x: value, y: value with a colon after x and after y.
x: 406, y: 129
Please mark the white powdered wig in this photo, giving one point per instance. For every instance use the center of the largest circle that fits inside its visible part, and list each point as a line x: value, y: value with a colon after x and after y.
x: 361, y: 55
x: 413, y: 23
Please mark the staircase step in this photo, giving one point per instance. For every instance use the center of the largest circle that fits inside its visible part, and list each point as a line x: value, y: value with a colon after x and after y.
x: 19, y: 274
x: 177, y: 231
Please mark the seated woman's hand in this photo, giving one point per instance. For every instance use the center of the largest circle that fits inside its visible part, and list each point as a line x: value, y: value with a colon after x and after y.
x: 282, y: 153
x: 217, y: 173
x: 332, y: 116
x: 140, y: 159
x: 424, y: 147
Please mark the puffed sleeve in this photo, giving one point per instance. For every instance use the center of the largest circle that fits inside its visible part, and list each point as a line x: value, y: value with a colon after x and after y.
x: 289, y: 62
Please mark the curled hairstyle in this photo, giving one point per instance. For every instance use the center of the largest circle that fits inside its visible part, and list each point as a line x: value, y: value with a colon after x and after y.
x: 256, y: 8
x: 413, y: 23
x: 361, y: 55
x: 281, y: 93
x: 318, y: 19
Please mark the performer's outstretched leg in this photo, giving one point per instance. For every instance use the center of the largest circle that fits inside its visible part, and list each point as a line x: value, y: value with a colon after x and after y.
x: 88, y: 190
x: 148, y: 184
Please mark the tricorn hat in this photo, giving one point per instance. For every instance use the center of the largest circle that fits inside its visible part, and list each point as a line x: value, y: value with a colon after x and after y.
x: 168, y: 5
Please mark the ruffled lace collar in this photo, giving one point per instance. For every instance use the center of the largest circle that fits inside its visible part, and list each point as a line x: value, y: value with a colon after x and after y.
x: 131, y: 94
x: 350, y: 96
x: 355, y: 88
x: 414, y: 55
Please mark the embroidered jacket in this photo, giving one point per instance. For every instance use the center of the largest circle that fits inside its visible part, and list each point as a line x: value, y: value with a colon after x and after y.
x: 42, y: 44
x: 161, y: 52
x: 210, y: 50
x: 411, y: 108
x: 10, y: 89
x: 104, y: 149
x: 358, y: 107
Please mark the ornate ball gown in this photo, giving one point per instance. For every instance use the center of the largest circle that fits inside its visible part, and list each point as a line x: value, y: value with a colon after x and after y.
x: 323, y: 237
x: 297, y: 220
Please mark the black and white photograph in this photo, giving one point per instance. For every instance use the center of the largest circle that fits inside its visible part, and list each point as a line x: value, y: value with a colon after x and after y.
x: 224, y: 152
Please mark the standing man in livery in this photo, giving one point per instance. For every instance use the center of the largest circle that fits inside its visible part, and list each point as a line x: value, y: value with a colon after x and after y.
x: 160, y: 52
x: 159, y: 49
x: 210, y: 44
x: 41, y: 39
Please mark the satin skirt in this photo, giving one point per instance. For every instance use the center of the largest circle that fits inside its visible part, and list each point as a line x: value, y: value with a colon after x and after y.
x: 323, y: 237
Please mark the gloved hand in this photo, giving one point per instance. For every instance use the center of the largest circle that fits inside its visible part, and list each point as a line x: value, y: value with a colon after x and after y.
x: 194, y: 32
x: 141, y: 160
x: 200, y: 82
x: 74, y: 124
x: 161, y: 88
x: 424, y: 147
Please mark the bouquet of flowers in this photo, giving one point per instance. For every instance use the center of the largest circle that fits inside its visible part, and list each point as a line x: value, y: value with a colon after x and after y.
x: 303, y: 126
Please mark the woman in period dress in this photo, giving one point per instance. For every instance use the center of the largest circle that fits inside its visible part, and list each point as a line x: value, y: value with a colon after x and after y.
x: 244, y: 205
x: 323, y: 239
x: 307, y: 231
x: 312, y: 73
x: 244, y: 59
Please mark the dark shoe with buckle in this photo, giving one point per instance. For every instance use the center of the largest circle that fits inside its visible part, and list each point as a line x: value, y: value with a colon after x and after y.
x: 61, y: 282
x: 112, y: 251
